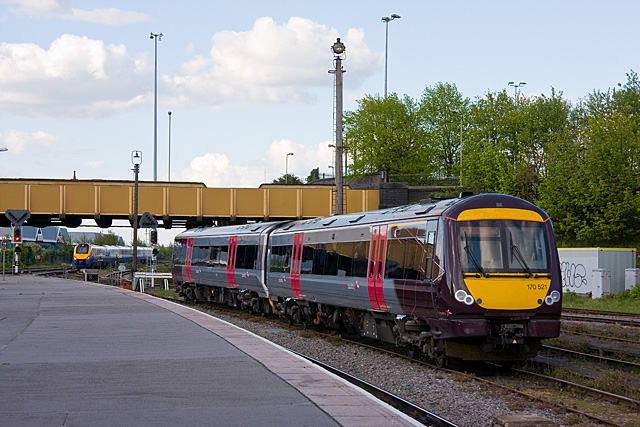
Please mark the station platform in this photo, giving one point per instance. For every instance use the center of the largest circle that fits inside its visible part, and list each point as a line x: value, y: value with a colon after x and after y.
x: 82, y: 354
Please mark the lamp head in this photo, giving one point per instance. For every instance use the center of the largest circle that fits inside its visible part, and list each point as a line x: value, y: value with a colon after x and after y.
x: 136, y: 157
x: 395, y: 16
x: 338, y: 47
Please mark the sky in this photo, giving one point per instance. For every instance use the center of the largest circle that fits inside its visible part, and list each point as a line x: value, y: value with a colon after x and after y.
x: 247, y: 81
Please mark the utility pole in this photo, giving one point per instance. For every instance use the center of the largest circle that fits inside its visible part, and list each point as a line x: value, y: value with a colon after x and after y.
x: 338, y: 51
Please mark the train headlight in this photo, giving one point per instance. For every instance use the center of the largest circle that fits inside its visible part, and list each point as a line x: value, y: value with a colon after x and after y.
x: 462, y: 296
x: 552, y: 298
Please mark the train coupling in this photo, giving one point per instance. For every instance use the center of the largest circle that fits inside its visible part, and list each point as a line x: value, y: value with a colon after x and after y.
x: 508, y: 334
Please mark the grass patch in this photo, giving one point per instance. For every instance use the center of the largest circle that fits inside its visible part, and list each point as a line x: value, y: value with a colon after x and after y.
x: 160, y: 292
x: 626, y: 302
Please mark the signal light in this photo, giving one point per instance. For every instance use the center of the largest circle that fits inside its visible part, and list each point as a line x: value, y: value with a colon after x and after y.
x: 17, y: 235
x: 154, y: 237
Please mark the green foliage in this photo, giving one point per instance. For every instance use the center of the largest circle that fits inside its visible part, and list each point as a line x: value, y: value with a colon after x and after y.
x: 110, y: 238
x: 314, y: 175
x: 385, y: 132
x: 626, y: 302
x: 165, y: 252
x: 287, y: 179
x: 580, y: 164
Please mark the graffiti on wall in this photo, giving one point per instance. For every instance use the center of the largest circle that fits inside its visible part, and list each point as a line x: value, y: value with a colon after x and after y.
x: 573, y: 275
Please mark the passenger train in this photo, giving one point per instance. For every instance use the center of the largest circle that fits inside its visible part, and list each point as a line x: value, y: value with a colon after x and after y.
x: 474, y: 278
x: 96, y: 256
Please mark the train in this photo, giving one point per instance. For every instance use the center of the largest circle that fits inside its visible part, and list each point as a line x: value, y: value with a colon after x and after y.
x: 471, y: 278
x: 86, y: 255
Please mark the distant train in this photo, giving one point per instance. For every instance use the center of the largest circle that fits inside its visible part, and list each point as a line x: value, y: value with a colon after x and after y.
x: 474, y: 278
x: 96, y: 256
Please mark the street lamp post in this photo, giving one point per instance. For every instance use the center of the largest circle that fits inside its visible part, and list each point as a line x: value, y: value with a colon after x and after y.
x: 286, y: 168
x: 136, y: 159
x: 169, y: 169
x: 155, y: 38
x: 515, y: 89
x: 338, y: 55
x: 386, y: 20
x: 458, y: 112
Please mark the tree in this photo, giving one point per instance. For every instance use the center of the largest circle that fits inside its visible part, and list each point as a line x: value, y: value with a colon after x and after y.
x: 442, y: 111
x: 385, y: 132
x: 289, y: 179
x: 109, y: 238
x: 314, y: 175
x: 592, y: 185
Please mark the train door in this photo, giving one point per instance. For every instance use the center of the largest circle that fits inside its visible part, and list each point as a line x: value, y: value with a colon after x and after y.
x: 296, y: 263
x: 187, y: 264
x: 231, y: 261
x: 377, y: 251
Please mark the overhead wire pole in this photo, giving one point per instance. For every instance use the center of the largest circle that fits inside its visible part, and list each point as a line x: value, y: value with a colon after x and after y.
x: 155, y: 38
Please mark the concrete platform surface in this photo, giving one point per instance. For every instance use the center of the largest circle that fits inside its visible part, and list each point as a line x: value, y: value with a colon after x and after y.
x: 82, y: 354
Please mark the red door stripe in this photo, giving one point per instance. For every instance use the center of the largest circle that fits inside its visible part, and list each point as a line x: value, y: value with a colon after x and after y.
x: 382, y: 246
x: 187, y: 265
x: 373, y: 254
x: 296, y: 263
x: 231, y: 261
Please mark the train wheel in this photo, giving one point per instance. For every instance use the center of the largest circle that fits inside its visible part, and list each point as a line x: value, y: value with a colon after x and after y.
x: 441, y: 360
x: 412, y: 352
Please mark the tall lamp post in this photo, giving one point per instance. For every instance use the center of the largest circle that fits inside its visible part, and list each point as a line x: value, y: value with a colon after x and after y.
x: 286, y: 168
x: 460, y: 114
x: 386, y: 20
x: 169, y: 169
x: 136, y: 159
x: 515, y: 89
x: 338, y: 55
x: 155, y: 38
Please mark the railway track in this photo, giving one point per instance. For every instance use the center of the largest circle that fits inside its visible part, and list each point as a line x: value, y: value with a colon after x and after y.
x: 426, y: 417
x: 497, y: 381
x: 599, y: 316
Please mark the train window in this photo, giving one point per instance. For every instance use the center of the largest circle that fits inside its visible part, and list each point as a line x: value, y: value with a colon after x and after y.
x: 345, y: 258
x: 223, y: 256
x: 360, y: 259
x: 430, y: 254
x: 280, y: 260
x: 82, y: 249
x: 306, y: 266
x: 246, y: 256
x: 394, y: 264
x: 319, y: 253
x: 494, y: 246
x: 331, y: 260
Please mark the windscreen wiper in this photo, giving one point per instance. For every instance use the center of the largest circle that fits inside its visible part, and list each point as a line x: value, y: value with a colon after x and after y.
x: 473, y: 257
x: 516, y: 251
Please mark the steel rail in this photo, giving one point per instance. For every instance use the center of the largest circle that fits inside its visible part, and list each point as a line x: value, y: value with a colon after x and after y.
x: 577, y: 354
x: 416, y: 412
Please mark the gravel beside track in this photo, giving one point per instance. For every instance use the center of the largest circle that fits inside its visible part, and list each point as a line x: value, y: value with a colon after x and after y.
x: 464, y: 402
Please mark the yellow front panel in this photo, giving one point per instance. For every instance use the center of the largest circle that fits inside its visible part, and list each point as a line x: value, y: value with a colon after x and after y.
x: 250, y: 202
x: 150, y: 200
x: 183, y: 201
x: 316, y: 202
x: 508, y: 293
x: 499, y: 213
x: 44, y: 199
x: 216, y: 202
x: 114, y: 200
x: 80, y: 199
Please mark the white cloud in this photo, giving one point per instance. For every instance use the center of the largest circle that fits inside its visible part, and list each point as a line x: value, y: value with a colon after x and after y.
x: 256, y: 66
x: 81, y: 77
x: 18, y: 142
x: 217, y: 170
x: 75, y: 76
x: 94, y: 165
x: 61, y: 9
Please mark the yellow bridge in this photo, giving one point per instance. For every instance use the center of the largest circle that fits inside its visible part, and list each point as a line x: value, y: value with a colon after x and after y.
x: 68, y: 202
